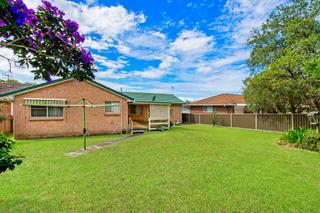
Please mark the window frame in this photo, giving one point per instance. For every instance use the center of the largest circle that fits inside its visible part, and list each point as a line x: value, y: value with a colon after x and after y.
x: 112, y: 102
x: 205, y: 108
x: 47, y: 117
x: 136, y: 105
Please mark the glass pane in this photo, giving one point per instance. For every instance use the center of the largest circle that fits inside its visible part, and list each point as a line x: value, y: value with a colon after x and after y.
x: 108, y: 107
x: 138, y: 109
x: 135, y: 109
x: 38, y: 111
x: 132, y: 109
x: 112, y: 107
x: 55, y: 111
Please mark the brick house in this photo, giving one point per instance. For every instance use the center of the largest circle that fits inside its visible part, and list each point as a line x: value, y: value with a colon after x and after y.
x: 222, y: 104
x: 5, y: 87
x: 54, y: 109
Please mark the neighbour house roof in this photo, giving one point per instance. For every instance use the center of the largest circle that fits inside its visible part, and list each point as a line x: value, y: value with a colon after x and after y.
x: 46, y: 84
x: 140, y: 97
x: 222, y: 99
x: 9, y: 87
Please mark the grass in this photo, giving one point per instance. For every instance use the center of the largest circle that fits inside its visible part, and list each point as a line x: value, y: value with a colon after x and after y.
x: 188, y: 169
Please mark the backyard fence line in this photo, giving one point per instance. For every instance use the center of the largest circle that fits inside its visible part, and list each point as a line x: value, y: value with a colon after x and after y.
x: 270, y: 121
x: 6, y: 125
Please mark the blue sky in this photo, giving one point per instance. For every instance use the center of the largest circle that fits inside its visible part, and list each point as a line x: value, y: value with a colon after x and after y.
x: 194, y: 49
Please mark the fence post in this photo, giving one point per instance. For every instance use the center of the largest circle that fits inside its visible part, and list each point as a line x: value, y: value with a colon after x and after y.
x: 231, y: 120
x: 199, y: 119
x: 292, y: 120
x: 256, y: 121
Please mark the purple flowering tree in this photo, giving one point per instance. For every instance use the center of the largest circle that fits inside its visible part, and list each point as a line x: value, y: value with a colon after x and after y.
x: 49, y: 43
x: 45, y: 40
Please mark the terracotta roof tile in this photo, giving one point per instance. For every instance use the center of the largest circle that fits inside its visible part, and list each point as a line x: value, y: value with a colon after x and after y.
x: 222, y: 99
x: 9, y: 87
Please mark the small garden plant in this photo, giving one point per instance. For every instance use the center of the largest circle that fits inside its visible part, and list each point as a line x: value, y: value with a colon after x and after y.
x: 7, y: 160
x: 301, y: 138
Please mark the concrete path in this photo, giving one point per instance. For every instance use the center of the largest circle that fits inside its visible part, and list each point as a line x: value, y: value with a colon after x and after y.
x: 98, y: 146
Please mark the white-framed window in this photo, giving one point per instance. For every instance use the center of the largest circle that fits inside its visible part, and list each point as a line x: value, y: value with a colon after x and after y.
x: 46, y: 112
x: 112, y: 107
x: 207, y: 109
x: 135, y: 109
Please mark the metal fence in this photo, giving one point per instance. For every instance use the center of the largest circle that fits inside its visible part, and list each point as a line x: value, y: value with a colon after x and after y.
x: 271, y: 122
x: 6, y: 125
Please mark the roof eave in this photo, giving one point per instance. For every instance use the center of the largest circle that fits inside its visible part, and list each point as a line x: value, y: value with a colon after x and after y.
x: 155, y: 102
x: 44, y: 85
x: 33, y: 87
x: 216, y: 104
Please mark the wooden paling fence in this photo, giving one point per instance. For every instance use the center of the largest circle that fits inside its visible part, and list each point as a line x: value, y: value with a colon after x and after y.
x: 6, y: 125
x: 271, y: 122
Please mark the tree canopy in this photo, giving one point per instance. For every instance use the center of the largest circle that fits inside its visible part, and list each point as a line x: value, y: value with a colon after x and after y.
x: 285, y: 60
x: 45, y: 40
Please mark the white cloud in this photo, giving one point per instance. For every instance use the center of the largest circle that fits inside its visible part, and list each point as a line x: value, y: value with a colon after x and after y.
x: 96, y: 44
x: 110, y: 64
x: 109, y: 22
x: 119, y: 86
x: 143, y: 44
x: 32, y: 3
x: 90, y: 2
x: 150, y: 73
x: 244, y: 15
x: 236, y: 57
x: 192, y: 42
x: 111, y: 74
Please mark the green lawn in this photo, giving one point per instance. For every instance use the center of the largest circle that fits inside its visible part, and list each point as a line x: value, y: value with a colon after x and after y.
x: 189, y: 168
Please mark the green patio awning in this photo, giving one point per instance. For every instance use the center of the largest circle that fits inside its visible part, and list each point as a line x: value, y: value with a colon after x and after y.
x: 44, y: 102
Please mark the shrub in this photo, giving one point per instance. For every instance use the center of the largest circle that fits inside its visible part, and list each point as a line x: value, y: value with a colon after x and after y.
x: 294, y: 136
x: 7, y: 161
x: 214, y: 118
x: 311, y: 142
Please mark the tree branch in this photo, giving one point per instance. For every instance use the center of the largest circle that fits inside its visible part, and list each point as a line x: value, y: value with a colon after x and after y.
x: 9, y: 61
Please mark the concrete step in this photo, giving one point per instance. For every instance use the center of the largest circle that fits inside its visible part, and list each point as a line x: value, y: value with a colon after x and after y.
x: 137, y: 131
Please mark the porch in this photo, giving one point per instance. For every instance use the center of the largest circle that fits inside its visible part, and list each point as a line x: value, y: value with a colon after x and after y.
x: 149, y: 117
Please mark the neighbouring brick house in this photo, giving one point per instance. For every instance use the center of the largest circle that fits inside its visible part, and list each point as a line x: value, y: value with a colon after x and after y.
x: 6, y: 107
x: 54, y: 109
x: 5, y: 87
x: 222, y: 104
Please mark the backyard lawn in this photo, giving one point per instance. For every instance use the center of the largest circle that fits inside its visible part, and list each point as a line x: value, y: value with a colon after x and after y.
x: 189, y: 168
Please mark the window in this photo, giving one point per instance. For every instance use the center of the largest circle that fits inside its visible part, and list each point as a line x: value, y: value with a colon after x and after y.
x: 46, y: 112
x: 135, y: 109
x: 112, y: 107
x: 171, y: 112
x: 207, y: 109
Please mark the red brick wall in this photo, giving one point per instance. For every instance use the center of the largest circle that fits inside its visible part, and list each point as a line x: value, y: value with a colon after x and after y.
x: 72, y: 123
x: 196, y: 109
x: 216, y: 109
x: 176, y: 113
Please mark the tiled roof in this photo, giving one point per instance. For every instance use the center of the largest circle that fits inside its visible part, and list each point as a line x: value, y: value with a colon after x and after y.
x: 9, y: 87
x: 154, y: 98
x: 222, y: 99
